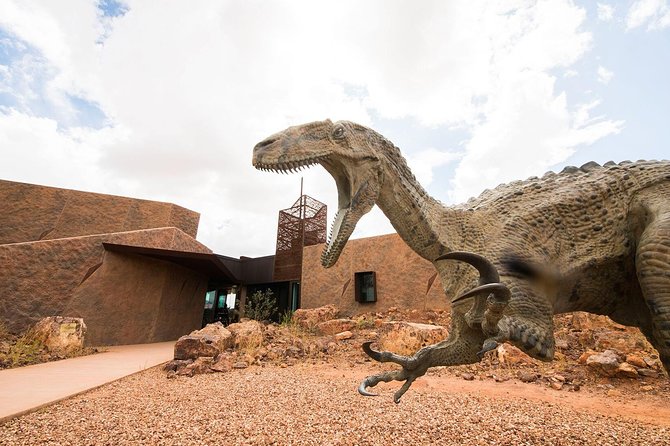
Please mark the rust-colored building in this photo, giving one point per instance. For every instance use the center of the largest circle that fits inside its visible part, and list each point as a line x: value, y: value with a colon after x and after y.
x: 372, y: 274
x: 131, y: 268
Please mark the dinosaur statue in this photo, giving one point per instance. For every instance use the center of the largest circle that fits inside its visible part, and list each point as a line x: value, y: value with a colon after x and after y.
x: 598, y: 235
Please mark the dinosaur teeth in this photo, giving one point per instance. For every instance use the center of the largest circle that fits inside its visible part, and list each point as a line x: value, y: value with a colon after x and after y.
x: 291, y: 166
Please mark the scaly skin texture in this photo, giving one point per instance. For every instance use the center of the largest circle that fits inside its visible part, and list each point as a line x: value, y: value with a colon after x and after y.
x: 595, y: 239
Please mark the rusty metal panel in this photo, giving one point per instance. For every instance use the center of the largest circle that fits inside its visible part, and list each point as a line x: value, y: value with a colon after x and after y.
x: 303, y: 224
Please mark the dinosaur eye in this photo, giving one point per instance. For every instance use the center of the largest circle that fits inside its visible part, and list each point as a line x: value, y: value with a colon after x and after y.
x: 338, y: 133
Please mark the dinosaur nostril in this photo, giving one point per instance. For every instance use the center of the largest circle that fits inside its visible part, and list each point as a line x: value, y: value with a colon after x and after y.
x: 265, y: 143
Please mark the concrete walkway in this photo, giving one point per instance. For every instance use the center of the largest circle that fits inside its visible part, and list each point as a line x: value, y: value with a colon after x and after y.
x: 26, y: 389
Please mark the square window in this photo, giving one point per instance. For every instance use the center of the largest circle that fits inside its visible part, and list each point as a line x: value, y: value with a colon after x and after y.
x: 365, y: 287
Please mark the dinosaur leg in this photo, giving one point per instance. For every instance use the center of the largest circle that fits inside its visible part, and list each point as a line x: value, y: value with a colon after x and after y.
x: 653, y: 271
x: 528, y: 322
x: 520, y: 315
x: 461, y: 347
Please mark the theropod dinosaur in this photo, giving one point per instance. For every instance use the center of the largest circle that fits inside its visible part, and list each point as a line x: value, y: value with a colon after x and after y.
x: 604, y: 232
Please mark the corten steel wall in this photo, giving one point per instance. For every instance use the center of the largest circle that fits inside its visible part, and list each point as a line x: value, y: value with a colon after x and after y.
x: 30, y: 212
x: 123, y: 298
x: 303, y: 224
x: 403, y: 279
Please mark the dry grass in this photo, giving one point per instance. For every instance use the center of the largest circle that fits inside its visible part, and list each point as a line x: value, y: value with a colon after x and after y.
x: 5, y: 335
x: 29, y: 348
x: 24, y: 350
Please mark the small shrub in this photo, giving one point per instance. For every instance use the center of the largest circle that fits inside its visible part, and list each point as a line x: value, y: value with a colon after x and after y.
x: 286, y: 318
x: 25, y: 351
x: 261, y: 306
x: 365, y: 324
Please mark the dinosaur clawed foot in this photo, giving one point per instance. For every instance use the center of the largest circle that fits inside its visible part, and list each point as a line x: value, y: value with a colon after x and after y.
x: 411, y: 370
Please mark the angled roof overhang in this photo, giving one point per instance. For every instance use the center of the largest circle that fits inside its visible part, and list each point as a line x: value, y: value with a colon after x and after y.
x: 207, y: 264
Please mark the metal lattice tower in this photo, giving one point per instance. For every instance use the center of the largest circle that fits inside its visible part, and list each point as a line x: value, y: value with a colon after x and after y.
x: 303, y: 224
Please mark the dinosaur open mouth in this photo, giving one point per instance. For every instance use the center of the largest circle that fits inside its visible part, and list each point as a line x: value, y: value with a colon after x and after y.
x: 290, y: 166
x: 353, y: 202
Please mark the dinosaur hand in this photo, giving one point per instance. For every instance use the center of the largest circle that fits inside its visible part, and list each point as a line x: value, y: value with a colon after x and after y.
x: 411, y: 370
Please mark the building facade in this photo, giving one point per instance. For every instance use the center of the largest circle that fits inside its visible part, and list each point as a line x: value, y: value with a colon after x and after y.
x: 372, y: 274
x: 130, y: 268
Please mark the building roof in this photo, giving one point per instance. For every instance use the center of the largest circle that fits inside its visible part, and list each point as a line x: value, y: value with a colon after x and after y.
x: 204, y: 263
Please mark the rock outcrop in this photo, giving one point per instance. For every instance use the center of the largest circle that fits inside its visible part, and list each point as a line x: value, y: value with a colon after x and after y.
x: 207, y: 342
x: 61, y: 335
x: 309, y: 318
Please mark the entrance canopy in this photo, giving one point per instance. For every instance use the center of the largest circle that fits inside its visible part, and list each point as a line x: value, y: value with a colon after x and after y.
x: 207, y: 264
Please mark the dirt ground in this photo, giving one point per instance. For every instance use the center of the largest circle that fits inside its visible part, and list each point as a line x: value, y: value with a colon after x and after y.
x: 299, y: 388
x: 317, y: 404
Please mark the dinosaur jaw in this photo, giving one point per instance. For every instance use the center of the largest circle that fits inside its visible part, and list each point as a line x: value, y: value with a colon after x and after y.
x: 355, y: 198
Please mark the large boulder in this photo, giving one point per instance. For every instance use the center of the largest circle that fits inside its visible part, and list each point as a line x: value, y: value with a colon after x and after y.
x: 406, y: 338
x: 247, y: 335
x: 207, y: 342
x: 61, y: 335
x: 309, y: 318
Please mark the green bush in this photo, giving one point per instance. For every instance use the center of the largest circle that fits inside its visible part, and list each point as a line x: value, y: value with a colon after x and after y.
x: 261, y: 306
x: 286, y: 318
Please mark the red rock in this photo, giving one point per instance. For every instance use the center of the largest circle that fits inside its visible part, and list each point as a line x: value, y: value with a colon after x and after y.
x: 627, y: 370
x: 510, y: 355
x: 606, y: 362
x: 408, y: 337
x: 467, y: 376
x: 176, y: 365
x: 192, y: 347
x: 207, y: 342
x: 585, y: 356
x: 335, y: 326
x: 197, y: 367
x: 344, y: 335
x: 247, y: 335
x: 636, y: 361
x: 61, y: 335
x: 649, y: 373
x: 527, y: 376
x: 309, y: 318
x: 222, y: 363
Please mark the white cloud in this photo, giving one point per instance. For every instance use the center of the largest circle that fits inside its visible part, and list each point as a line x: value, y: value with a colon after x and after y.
x: 604, y: 75
x: 189, y: 89
x: 654, y: 13
x: 605, y: 12
x: 424, y: 163
x: 528, y: 130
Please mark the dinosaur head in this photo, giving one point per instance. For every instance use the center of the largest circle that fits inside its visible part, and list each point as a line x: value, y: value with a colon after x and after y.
x: 347, y: 151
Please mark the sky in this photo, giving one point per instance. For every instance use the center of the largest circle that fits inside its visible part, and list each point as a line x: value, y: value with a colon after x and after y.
x: 165, y: 100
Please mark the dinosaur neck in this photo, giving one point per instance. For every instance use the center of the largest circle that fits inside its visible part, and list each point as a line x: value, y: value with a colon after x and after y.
x: 421, y: 221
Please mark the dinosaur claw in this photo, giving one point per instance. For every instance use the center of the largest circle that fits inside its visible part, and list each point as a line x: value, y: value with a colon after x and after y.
x: 489, y: 345
x: 362, y: 389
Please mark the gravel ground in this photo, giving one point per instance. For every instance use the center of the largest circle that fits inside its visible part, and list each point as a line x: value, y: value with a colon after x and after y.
x: 311, y: 405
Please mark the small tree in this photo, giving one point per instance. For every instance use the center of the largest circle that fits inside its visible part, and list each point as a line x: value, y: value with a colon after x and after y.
x: 261, y: 306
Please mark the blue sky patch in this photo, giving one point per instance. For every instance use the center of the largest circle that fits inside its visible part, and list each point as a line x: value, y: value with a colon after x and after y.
x: 112, y: 8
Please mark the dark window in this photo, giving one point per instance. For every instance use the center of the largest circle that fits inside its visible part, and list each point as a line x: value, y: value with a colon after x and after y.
x: 365, y: 287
